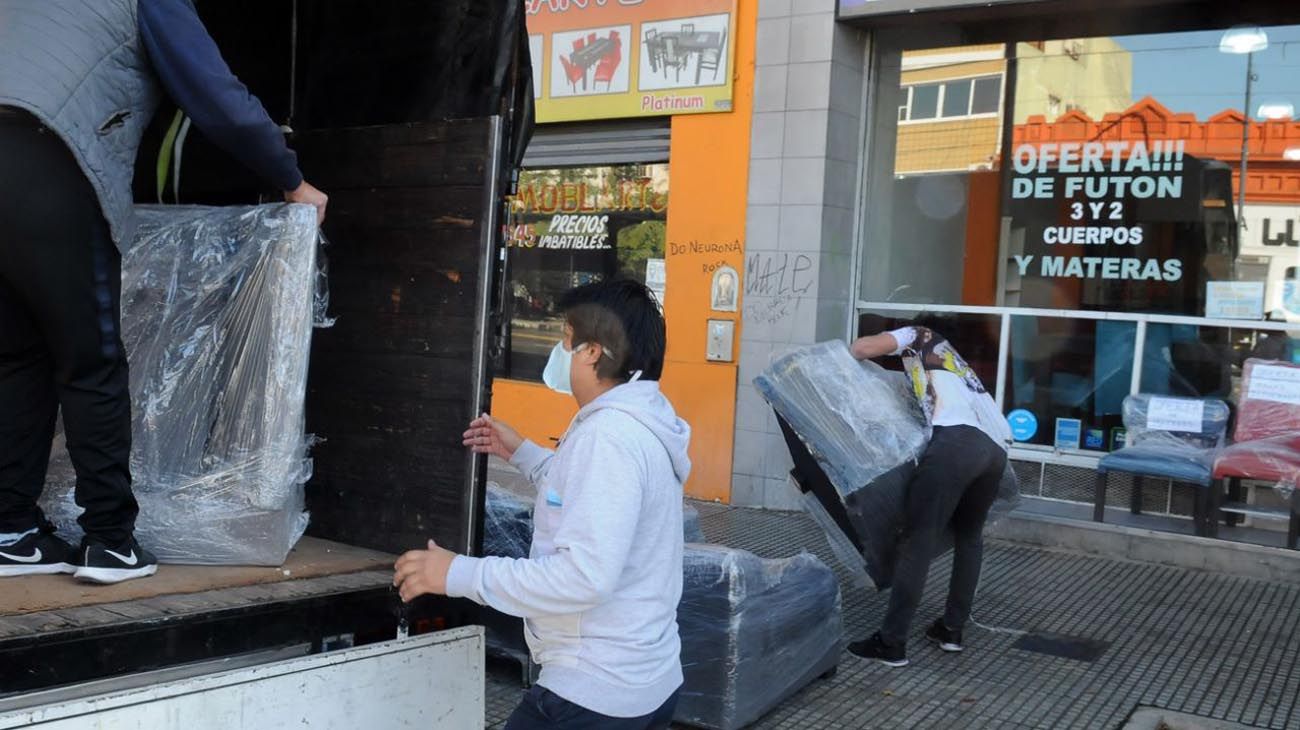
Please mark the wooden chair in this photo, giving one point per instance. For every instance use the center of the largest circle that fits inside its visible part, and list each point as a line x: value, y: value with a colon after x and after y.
x: 653, y: 49
x: 711, y: 58
x: 672, y: 57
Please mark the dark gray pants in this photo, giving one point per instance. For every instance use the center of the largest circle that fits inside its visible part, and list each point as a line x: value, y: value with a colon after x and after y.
x: 954, y: 485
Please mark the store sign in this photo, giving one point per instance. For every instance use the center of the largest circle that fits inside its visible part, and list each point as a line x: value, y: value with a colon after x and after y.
x: 871, y: 8
x: 556, y: 214
x: 607, y: 59
x: 1113, y: 224
x: 572, y: 226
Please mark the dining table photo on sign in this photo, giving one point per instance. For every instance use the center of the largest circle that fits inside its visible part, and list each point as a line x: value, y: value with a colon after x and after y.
x: 617, y: 61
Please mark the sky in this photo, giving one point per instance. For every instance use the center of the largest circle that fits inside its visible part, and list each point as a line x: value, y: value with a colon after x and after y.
x: 1187, y: 73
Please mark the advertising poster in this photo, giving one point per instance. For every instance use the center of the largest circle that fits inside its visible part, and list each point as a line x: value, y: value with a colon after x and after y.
x: 1109, y: 225
x: 606, y: 59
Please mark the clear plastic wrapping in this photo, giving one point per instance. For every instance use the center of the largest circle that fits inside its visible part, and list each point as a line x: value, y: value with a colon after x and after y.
x: 1267, y: 433
x: 1174, y: 438
x: 864, y: 428
x: 691, y: 530
x: 508, y: 523
x: 754, y: 632
x: 1167, y: 422
x: 218, y: 306
x: 857, y: 419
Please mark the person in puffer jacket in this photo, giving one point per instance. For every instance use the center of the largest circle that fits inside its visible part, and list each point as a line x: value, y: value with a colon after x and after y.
x: 80, y: 81
x: 600, y: 588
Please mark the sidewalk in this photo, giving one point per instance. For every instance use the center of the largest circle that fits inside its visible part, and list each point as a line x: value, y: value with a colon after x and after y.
x: 1204, y: 644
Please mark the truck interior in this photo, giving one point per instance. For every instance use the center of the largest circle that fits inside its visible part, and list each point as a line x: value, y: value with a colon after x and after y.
x: 413, y: 118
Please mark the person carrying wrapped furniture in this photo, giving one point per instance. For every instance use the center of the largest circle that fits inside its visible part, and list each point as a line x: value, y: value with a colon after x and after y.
x: 955, y: 483
x: 79, y: 83
x: 599, y: 590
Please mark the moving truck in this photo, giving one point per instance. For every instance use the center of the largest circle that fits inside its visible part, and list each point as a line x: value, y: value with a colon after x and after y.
x: 412, y: 116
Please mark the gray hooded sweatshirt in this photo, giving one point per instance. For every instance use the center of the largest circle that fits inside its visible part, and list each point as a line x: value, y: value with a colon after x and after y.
x: 600, y: 588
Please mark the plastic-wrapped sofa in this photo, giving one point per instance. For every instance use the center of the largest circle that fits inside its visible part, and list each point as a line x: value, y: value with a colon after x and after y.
x: 754, y: 632
x: 855, y: 431
x: 218, y: 306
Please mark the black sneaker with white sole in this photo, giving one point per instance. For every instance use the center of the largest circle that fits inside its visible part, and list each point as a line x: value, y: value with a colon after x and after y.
x: 947, y: 639
x: 104, y: 564
x: 40, y: 553
x: 876, y: 648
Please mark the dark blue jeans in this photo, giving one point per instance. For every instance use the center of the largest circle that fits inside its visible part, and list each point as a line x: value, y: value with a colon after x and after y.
x: 542, y: 709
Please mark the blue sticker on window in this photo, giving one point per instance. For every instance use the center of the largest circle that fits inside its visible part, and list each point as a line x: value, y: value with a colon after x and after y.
x: 1069, y: 431
x: 1024, y: 425
x: 1094, y: 438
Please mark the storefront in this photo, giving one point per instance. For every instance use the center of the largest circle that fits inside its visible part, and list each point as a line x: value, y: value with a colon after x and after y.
x: 1061, y: 194
x: 636, y: 171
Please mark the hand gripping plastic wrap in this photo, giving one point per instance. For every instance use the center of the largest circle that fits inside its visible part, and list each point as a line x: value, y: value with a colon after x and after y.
x: 864, y: 430
x: 754, y: 632
x: 218, y: 306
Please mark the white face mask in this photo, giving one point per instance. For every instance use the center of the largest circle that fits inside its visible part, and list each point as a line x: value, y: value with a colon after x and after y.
x: 558, y: 374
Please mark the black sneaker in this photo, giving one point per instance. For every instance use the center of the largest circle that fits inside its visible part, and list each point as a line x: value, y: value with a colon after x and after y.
x: 105, y: 565
x: 946, y: 638
x: 876, y: 648
x: 40, y: 553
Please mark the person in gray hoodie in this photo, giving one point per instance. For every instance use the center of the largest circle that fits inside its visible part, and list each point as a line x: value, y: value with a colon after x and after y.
x: 600, y: 588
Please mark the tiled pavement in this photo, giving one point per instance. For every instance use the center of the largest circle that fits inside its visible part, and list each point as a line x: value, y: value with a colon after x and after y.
x: 1209, y: 645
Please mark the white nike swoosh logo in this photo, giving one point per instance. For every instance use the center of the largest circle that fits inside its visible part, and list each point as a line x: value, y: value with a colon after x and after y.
x: 33, y: 558
x: 126, y: 560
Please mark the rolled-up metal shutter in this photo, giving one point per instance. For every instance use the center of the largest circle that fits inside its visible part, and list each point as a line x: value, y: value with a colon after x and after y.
x: 586, y: 144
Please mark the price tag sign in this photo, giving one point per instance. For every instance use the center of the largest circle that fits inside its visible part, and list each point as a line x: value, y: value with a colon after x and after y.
x: 1173, y: 414
x: 1275, y: 383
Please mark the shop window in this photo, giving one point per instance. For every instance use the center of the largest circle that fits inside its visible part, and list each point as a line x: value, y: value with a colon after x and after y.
x: 1101, y: 201
x: 572, y: 226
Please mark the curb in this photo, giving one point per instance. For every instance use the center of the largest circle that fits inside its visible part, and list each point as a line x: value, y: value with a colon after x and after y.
x: 1150, y: 546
